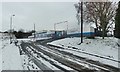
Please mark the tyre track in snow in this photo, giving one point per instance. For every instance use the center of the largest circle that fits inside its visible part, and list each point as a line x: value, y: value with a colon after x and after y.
x: 61, y: 60
x: 51, y: 62
x: 110, y: 68
x: 67, y: 62
x: 35, y: 60
x: 39, y: 54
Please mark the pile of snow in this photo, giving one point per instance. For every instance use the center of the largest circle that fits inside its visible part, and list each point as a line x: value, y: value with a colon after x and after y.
x: 107, y: 48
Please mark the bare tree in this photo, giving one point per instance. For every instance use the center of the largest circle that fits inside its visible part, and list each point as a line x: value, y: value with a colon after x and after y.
x: 101, y: 13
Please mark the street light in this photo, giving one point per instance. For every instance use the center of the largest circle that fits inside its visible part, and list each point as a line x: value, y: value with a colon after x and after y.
x: 11, y: 27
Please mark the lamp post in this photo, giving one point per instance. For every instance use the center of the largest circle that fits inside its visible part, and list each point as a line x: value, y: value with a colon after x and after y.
x: 11, y: 28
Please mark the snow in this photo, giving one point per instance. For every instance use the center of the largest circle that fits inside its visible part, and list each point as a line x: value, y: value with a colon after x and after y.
x: 107, y: 48
x: 25, y: 62
x: 105, y: 61
x: 10, y: 57
x: 56, y: 62
x: 44, y: 38
x: 42, y: 60
x: 46, y: 62
x: 0, y: 53
x: 33, y: 39
x: 87, y: 65
x: 28, y: 64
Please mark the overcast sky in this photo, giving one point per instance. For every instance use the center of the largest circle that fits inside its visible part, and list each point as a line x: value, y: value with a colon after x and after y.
x: 44, y: 14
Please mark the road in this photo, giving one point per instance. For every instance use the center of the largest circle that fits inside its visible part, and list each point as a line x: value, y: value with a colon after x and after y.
x: 34, y: 59
x: 74, y: 62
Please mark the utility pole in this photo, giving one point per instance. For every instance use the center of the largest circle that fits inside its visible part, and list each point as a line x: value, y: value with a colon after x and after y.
x: 81, y: 22
x: 79, y: 7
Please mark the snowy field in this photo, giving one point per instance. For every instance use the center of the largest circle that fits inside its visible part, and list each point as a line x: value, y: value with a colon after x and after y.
x: 107, y: 49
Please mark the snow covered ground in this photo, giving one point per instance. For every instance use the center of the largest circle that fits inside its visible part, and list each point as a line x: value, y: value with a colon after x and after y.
x: 10, y: 58
x: 0, y: 53
x: 28, y: 64
x: 107, y: 48
x: 47, y: 63
x: 33, y: 39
